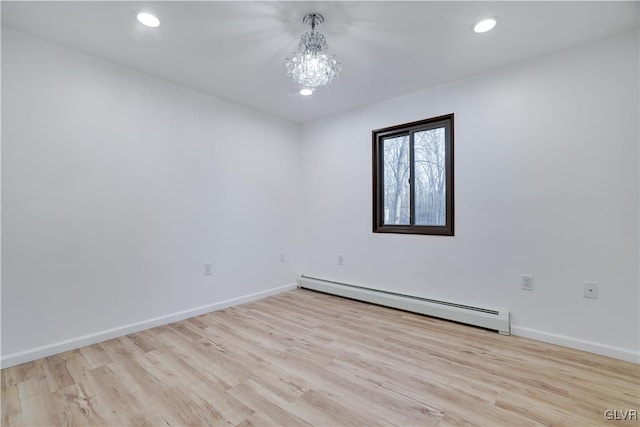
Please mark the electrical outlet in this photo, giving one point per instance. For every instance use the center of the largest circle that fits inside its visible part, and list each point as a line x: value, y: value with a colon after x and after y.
x: 591, y: 290
x: 340, y: 260
x: 208, y: 269
x: 527, y: 282
x: 283, y: 257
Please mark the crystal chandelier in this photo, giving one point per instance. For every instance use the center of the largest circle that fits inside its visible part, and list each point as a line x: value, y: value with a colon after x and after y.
x: 310, y: 66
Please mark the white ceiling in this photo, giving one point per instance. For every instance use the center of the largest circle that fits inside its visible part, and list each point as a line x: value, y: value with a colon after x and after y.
x: 236, y: 50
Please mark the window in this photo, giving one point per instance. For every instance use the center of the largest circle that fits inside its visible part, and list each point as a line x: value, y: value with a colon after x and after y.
x: 413, y: 177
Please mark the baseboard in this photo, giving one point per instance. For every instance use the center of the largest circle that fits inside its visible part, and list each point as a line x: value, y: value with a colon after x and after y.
x: 60, y: 347
x: 590, y: 346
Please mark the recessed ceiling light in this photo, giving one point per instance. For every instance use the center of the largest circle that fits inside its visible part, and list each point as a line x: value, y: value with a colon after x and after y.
x: 148, y: 19
x: 306, y: 91
x: 485, y: 25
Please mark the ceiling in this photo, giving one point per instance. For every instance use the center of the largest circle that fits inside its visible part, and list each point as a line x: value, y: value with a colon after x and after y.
x: 235, y: 50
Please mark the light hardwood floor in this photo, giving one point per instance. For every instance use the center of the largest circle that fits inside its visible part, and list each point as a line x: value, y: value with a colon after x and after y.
x: 304, y: 358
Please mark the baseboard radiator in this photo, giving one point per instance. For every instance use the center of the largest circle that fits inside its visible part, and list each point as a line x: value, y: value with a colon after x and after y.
x: 497, y: 320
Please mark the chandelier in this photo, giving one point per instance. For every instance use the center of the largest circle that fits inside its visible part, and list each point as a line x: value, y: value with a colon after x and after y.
x: 310, y: 66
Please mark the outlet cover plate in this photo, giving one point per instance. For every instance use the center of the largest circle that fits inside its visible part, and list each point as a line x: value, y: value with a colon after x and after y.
x: 208, y: 270
x: 591, y: 290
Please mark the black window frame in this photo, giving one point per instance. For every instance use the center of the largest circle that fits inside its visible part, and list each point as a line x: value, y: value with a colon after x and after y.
x: 378, y: 136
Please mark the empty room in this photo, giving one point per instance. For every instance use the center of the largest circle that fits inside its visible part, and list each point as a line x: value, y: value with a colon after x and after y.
x: 331, y: 213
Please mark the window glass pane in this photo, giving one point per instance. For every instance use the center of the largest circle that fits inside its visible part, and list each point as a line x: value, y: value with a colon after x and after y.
x: 430, y: 188
x: 396, y: 180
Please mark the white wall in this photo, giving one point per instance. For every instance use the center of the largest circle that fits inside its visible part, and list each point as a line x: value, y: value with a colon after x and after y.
x: 118, y: 187
x: 546, y: 183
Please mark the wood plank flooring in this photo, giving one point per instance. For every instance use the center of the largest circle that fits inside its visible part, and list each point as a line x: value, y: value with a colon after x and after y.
x: 305, y: 358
